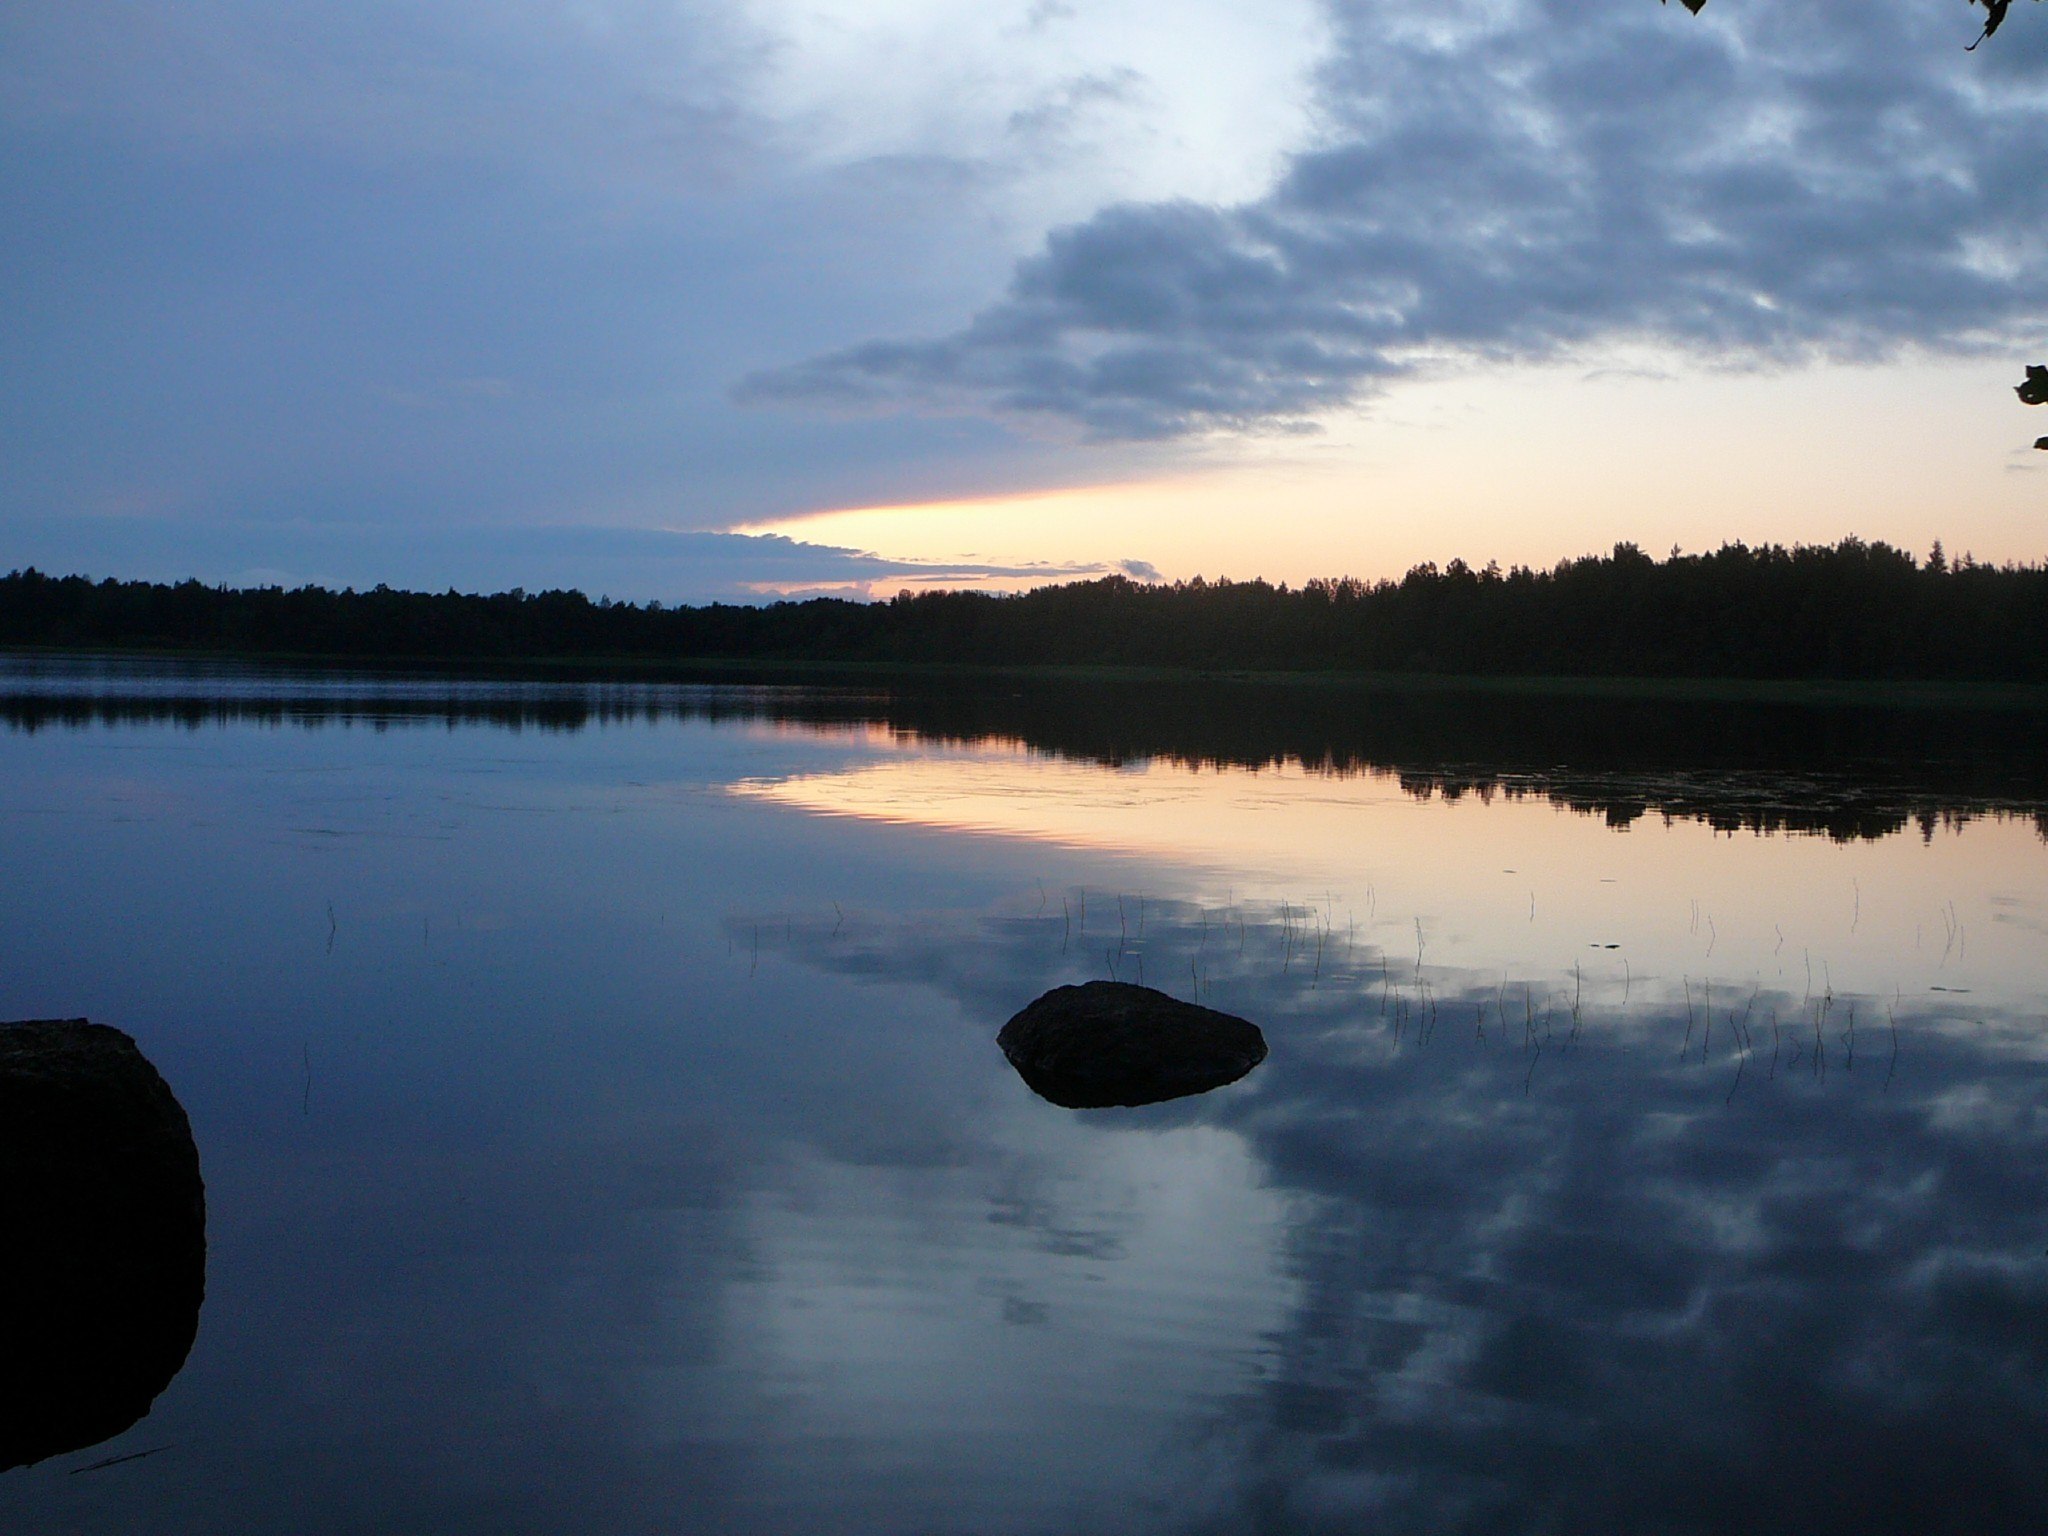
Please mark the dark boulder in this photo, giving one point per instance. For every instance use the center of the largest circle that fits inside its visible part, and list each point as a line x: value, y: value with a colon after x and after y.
x: 102, y: 1237
x: 1108, y: 1043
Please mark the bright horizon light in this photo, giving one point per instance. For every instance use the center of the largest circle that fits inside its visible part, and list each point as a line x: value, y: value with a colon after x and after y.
x: 1528, y: 466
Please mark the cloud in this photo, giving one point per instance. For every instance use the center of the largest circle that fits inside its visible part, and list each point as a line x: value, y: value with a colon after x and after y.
x: 1520, y: 179
x: 632, y: 95
x: 777, y: 566
x: 477, y: 262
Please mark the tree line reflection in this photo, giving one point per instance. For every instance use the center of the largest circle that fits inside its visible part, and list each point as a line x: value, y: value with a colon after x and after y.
x: 1841, y: 771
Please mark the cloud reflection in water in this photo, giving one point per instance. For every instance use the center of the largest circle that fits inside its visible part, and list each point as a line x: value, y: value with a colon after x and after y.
x: 662, y: 1171
x: 1613, y: 1272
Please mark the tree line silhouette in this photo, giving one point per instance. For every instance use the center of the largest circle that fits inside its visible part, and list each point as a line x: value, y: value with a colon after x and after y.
x: 1851, y: 610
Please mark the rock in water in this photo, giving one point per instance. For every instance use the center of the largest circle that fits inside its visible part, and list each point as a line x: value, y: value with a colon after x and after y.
x: 1108, y: 1043
x: 102, y: 1237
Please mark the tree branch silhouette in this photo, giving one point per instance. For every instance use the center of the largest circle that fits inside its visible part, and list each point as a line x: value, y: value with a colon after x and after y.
x: 2035, y: 390
x: 1994, y: 16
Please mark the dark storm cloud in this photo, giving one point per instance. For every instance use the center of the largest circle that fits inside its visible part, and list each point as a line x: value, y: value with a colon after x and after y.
x: 1514, y: 180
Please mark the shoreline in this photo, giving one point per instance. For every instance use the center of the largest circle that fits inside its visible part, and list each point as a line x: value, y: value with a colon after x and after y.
x: 1859, y: 693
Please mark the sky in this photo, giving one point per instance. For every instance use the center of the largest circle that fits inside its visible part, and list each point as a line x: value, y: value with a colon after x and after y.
x: 690, y: 300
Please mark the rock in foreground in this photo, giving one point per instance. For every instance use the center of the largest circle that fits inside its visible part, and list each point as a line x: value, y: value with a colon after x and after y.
x: 103, y: 1232
x: 1108, y: 1043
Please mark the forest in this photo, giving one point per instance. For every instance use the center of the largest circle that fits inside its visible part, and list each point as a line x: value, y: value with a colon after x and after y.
x: 1851, y: 610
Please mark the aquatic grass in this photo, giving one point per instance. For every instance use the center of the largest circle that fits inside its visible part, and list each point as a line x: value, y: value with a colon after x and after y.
x: 1893, y: 1015
x: 1412, y: 1005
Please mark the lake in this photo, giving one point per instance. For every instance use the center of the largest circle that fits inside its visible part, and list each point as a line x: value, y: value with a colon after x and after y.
x: 596, y: 1089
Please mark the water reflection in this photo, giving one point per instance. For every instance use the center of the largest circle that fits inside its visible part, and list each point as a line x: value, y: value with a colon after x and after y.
x: 604, y: 1133
x: 1828, y: 768
x: 104, y: 1223
x: 1760, y: 1262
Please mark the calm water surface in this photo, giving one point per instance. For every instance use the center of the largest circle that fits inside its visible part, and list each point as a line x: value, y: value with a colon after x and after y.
x: 603, y: 1129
